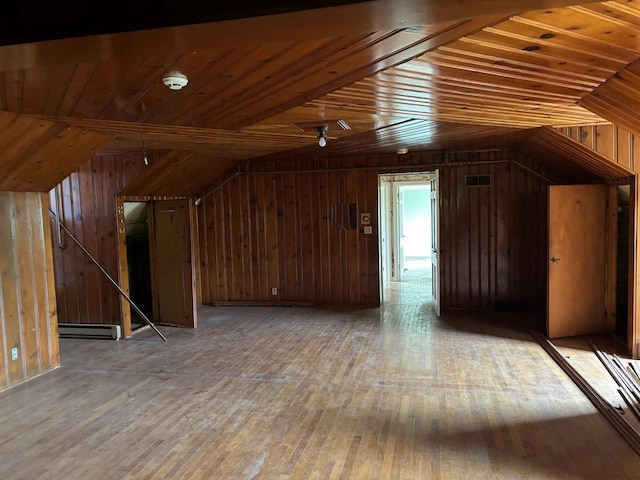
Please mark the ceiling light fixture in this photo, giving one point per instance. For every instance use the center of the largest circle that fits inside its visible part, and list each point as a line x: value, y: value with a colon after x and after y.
x: 144, y: 151
x: 175, y: 80
x: 322, y: 134
x: 402, y: 151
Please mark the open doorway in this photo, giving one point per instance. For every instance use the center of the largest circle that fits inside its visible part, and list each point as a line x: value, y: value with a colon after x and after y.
x: 160, y: 262
x: 136, y: 216
x: 406, y: 238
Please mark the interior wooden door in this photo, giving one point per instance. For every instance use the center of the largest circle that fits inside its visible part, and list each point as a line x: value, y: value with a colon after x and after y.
x: 576, y: 271
x: 435, y: 243
x: 384, y: 234
x: 173, y: 267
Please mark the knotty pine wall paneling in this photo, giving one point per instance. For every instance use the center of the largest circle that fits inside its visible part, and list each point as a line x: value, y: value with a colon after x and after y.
x: 334, y: 274
x: 620, y: 145
x: 466, y: 250
x: 264, y: 231
x: 87, y: 207
x: 28, y: 318
x: 493, y: 238
x: 352, y: 240
x: 527, y: 251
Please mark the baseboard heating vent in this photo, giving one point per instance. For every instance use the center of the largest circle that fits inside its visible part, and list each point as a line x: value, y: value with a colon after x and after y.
x: 89, y: 330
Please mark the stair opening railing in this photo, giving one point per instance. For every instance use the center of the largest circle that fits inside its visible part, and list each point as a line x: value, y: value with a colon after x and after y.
x: 61, y: 225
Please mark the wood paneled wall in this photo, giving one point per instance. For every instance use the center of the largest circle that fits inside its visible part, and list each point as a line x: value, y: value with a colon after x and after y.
x: 493, y: 238
x: 28, y: 318
x: 264, y: 231
x: 278, y: 229
x: 87, y: 207
x: 614, y: 142
x: 267, y: 229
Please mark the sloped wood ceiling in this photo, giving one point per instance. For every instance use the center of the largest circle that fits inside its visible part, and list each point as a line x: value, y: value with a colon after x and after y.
x: 178, y: 173
x: 410, y: 74
x: 525, y: 72
x: 563, y: 156
x: 227, y: 84
x: 26, y: 26
x: 619, y: 98
x: 36, y: 155
x: 418, y: 134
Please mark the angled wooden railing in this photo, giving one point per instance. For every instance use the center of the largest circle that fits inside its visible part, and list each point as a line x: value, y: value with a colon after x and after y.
x: 108, y: 277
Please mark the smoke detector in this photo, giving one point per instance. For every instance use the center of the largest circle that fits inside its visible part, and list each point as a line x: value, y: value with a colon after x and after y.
x: 175, y: 80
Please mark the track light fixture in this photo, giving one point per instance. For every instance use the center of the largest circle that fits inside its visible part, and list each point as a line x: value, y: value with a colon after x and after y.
x: 322, y: 134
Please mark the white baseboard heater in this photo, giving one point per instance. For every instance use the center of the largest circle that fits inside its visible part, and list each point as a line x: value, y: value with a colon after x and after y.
x: 89, y: 330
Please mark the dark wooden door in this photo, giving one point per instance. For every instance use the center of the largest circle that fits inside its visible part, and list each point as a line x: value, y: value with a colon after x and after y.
x: 173, y: 267
x: 576, y: 274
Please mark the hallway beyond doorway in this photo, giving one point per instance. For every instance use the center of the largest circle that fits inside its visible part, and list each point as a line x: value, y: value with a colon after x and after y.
x: 407, y: 238
x: 415, y: 286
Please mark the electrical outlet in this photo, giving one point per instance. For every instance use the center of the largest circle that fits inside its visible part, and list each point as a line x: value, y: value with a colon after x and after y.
x: 14, y: 353
x: 274, y: 291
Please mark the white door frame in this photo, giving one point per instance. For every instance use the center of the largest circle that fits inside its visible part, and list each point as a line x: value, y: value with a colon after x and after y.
x: 389, y: 231
x: 435, y: 241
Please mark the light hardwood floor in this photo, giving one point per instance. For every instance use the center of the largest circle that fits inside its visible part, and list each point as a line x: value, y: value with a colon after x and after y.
x: 308, y: 393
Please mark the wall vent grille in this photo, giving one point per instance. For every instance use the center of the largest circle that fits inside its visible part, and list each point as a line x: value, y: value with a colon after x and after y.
x: 478, y: 180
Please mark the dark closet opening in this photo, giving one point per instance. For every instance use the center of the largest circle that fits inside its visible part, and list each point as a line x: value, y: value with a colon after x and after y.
x: 622, y: 271
x: 138, y: 260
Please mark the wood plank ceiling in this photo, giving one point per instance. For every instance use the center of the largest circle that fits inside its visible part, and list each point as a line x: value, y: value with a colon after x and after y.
x: 36, y: 155
x: 421, y: 85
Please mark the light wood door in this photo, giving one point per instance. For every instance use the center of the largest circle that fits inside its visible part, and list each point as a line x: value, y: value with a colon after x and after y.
x: 576, y: 272
x: 173, y: 266
x: 435, y: 242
